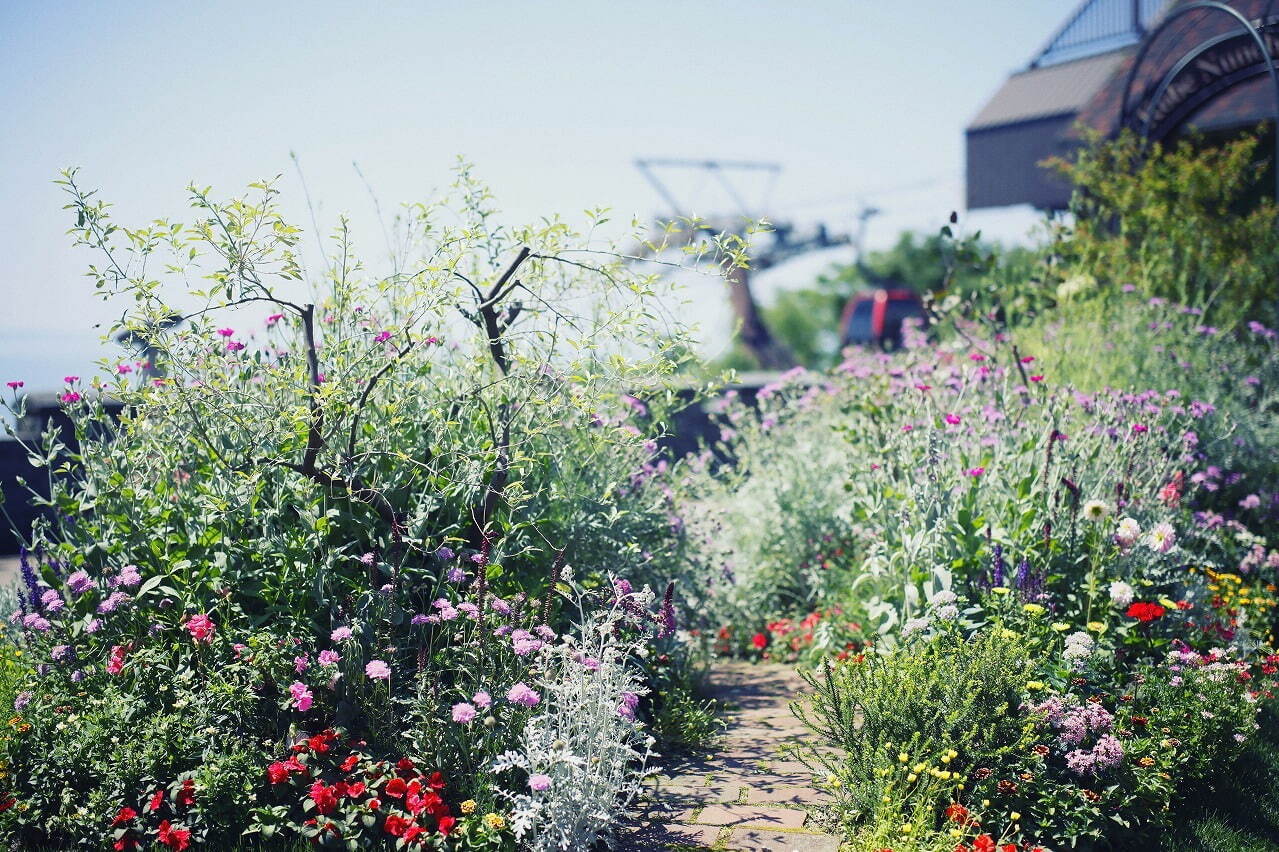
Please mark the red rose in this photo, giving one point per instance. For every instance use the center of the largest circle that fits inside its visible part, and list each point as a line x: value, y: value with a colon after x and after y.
x: 175, y: 838
x: 277, y: 772
x: 125, y: 814
x: 395, y: 788
x: 1145, y: 612
x: 760, y: 641
x: 396, y: 825
x: 325, y: 798
x: 446, y: 825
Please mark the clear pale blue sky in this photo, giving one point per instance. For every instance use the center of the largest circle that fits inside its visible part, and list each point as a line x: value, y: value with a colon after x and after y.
x: 859, y: 99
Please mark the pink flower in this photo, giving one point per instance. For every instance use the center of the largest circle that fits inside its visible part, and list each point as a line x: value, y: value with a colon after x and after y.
x: 340, y: 634
x: 201, y: 628
x: 274, y: 318
x: 522, y: 695
x: 383, y: 337
x: 539, y: 783
x: 302, y: 697
x: 69, y: 397
x: 301, y: 663
x: 329, y: 658
x: 226, y: 332
x: 1036, y: 378
x: 1028, y: 359
x: 952, y: 419
x: 115, y: 664
x: 1138, y: 428
x: 974, y: 356
x: 234, y: 346
x: 14, y: 385
x: 482, y: 700
x: 70, y: 379
x: 463, y: 713
x: 975, y: 472
x: 121, y: 369
x: 378, y: 670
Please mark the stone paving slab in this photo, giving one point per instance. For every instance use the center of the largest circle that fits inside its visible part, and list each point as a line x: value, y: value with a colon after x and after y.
x: 751, y: 794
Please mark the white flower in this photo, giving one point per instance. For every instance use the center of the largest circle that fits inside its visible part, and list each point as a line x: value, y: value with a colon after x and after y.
x: 1121, y: 594
x: 1127, y: 533
x: 949, y: 612
x: 913, y: 626
x: 942, y: 599
x: 1161, y: 538
x: 1096, y: 510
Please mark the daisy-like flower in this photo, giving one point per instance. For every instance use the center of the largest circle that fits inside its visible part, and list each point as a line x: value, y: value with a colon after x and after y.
x: 1162, y: 538
x: 1096, y: 510
x: 1127, y: 533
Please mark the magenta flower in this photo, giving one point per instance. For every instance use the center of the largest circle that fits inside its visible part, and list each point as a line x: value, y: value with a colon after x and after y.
x: 226, y: 332
x: 377, y: 670
x: 975, y: 472
x: 70, y: 379
x: 274, y: 318
x: 952, y: 419
x: 301, y: 663
x: 1138, y: 428
x: 1028, y: 359
x: 539, y: 783
x: 201, y: 628
x: 522, y: 695
x: 122, y: 369
x: 463, y: 713
x: 69, y: 397
x: 14, y: 385
x: 234, y: 346
x: 383, y: 337
x: 302, y: 697
x: 1036, y: 378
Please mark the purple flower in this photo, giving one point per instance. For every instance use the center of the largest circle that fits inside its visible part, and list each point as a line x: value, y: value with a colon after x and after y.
x: 301, y: 663
x: 626, y: 709
x: 21, y: 700
x: 469, y: 609
x: 539, y: 783
x: 463, y: 713
x: 456, y: 575
x: 94, y: 625
x: 378, y: 670
x: 127, y: 577
x: 78, y: 675
x: 420, y: 619
x: 367, y: 559
x: 445, y: 554
x: 522, y: 695
x: 545, y: 632
x: 500, y: 606
x: 113, y: 602
x: 52, y: 601
x: 589, y: 663
x: 524, y: 643
x: 37, y: 622
x: 80, y: 582
x: 62, y: 653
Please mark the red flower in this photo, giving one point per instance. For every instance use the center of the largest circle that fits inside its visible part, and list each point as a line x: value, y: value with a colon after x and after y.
x: 126, y: 842
x: 396, y: 825
x: 176, y: 839
x: 320, y: 744
x: 955, y: 812
x: 405, y: 765
x: 1145, y: 612
x: 374, y: 804
x: 354, y: 790
x: 412, y: 832
x: 277, y: 772
x: 349, y: 763
x: 325, y: 798
x: 760, y: 641
x: 446, y: 824
x: 395, y: 788
x: 157, y: 799
x: 125, y: 814
x: 186, y: 796
x: 9, y: 802
x: 436, y: 782
x: 984, y: 843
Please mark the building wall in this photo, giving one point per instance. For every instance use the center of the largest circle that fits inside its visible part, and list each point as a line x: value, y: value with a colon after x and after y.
x: 1003, y: 164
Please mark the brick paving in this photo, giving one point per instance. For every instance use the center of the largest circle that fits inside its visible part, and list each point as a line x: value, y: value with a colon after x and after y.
x: 747, y: 796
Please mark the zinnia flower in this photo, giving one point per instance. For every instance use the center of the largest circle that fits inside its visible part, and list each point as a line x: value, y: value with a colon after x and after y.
x: 1145, y: 612
x: 1127, y: 533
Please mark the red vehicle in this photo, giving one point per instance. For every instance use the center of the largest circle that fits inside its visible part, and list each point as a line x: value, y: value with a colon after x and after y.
x: 875, y: 317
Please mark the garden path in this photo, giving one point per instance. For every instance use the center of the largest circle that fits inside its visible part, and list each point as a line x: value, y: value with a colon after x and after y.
x: 746, y: 796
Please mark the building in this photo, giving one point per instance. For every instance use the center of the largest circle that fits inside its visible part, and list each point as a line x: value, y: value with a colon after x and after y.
x: 1159, y: 67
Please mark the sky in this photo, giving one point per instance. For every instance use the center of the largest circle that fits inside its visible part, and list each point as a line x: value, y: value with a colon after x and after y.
x: 860, y: 101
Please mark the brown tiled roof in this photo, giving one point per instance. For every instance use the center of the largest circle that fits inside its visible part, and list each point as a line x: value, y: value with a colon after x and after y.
x: 1054, y: 90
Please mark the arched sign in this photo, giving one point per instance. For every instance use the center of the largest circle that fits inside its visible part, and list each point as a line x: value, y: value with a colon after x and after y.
x: 1203, y: 73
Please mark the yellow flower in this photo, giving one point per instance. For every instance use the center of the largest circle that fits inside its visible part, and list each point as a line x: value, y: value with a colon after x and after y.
x: 907, y: 828
x: 1035, y: 685
x: 1001, y: 590
x: 1096, y: 627
x: 1014, y: 816
x: 468, y: 807
x: 911, y: 777
x: 1060, y: 626
x: 903, y: 757
x: 1034, y: 609
x: 494, y: 821
x: 1167, y: 604
x: 1008, y: 634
